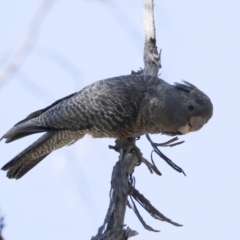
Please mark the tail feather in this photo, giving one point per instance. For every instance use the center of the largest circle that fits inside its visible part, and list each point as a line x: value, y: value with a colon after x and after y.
x: 29, y: 157
x: 22, y: 130
x: 28, y: 125
x: 37, y: 151
x: 18, y: 171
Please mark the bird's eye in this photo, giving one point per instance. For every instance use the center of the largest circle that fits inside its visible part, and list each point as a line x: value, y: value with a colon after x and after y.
x: 191, y: 107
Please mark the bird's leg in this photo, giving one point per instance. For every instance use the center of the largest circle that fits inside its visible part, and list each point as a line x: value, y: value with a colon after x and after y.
x: 128, y: 145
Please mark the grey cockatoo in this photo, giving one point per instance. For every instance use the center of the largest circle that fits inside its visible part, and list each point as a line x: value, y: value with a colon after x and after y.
x: 120, y: 107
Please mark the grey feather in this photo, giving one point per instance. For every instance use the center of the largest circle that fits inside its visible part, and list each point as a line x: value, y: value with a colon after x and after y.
x: 121, y: 107
x: 21, y: 130
x: 37, y: 151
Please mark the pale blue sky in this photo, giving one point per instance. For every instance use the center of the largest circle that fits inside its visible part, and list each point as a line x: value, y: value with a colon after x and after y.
x: 79, y: 42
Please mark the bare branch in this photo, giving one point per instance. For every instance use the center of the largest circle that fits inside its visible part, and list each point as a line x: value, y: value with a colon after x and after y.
x: 17, y: 57
x: 151, y: 56
x: 122, y: 182
x: 122, y: 185
x: 113, y: 226
x: 148, y: 20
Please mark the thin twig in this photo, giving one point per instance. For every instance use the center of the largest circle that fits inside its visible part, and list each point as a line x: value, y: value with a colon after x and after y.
x: 165, y: 158
x: 169, y: 143
x: 145, y: 203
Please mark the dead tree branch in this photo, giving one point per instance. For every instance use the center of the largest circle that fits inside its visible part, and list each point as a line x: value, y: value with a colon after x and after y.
x: 17, y: 57
x: 161, y: 155
x: 122, y: 182
x: 152, y: 59
x: 113, y: 226
x: 1, y: 227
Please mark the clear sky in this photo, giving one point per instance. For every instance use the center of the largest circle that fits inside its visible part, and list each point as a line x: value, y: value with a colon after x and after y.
x: 79, y: 42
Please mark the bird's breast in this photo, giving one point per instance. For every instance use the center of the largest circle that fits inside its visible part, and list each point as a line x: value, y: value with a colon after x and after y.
x: 132, y: 129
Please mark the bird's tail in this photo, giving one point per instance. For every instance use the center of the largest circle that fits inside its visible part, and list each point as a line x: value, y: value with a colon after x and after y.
x: 23, y: 129
x: 37, y: 151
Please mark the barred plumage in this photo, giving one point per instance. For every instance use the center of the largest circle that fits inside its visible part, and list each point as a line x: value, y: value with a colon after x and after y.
x: 121, y: 107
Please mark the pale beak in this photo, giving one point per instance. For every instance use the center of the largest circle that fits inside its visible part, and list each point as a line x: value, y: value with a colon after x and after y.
x: 184, y: 129
x: 194, y: 124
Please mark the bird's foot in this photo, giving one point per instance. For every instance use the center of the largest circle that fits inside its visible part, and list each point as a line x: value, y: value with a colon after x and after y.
x: 128, y: 146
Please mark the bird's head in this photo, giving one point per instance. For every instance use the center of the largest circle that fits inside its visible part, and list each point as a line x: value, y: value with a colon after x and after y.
x: 198, y: 107
x: 183, y: 108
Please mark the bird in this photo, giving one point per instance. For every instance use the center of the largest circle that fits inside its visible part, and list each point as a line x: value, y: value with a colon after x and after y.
x: 118, y: 107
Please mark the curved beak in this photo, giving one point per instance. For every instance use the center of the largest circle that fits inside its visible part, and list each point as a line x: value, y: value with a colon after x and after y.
x: 194, y: 124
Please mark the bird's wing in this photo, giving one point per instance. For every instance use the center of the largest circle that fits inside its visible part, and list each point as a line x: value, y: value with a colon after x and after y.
x: 39, y: 112
x: 106, y: 104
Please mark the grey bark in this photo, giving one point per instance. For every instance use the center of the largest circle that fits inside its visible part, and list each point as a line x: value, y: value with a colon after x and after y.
x: 113, y: 227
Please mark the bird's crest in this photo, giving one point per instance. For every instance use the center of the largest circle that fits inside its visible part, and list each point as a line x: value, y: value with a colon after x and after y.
x: 186, y: 86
